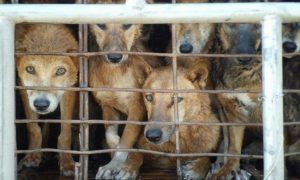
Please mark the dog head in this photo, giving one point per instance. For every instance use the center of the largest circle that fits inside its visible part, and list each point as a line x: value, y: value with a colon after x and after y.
x: 291, y: 38
x: 46, y: 70
x: 193, y: 38
x: 116, y: 37
x: 241, y: 39
x: 160, y: 106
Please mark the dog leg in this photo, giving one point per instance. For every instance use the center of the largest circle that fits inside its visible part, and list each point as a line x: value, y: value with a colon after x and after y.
x: 111, y: 130
x: 64, y: 140
x: 196, y: 169
x: 129, y: 137
x: 124, y: 170
x: 34, y: 135
x: 236, y: 136
x: 131, y: 131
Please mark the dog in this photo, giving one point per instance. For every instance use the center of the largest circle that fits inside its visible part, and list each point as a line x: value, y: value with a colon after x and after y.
x: 291, y: 73
x: 160, y: 108
x: 47, y: 71
x: 239, y: 74
x: 291, y: 38
x: 194, y: 38
x: 119, y: 71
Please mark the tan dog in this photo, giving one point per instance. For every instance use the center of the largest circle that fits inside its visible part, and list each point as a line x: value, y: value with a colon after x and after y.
x: 193, y: 139
x: 119, y: 71
x: 240, y: 74
x: 195, y: 38
x: 47, y: 71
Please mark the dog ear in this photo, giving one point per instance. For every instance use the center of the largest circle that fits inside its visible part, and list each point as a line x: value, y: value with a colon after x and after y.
x: 75, y: 59
x: 198, y: 75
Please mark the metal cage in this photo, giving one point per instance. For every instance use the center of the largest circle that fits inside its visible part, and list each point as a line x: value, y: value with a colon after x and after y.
x: 270, y: 15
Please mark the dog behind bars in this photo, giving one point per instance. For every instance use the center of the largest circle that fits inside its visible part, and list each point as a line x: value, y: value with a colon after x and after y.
x: 192, y: 107
x: 119, y: 71
x: 242, y: 73
x: 47, y: 71
x: 195, y: 38
x: 291, y: 73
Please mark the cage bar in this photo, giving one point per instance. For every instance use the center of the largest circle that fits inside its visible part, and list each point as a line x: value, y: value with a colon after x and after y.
x: 272, y: 98
x: 7, y: 100
x: 150, y: 14
x: 154, y: 13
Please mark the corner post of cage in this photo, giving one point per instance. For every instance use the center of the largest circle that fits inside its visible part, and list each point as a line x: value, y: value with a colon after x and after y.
x: 272, y: 97
x: 7, y: 100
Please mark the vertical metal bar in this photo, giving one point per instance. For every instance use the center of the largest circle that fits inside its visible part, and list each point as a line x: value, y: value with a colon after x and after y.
x: 7, y: 100
x: 83, y: 82
x: 174, y: 67
x: 272, y: 98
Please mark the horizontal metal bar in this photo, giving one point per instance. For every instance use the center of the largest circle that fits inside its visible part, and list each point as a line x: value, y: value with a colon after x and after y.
x: 90, y: 152
x: 90, y: 54
x: 153, y: 13
x: 43, y: 88
x: 100, y: 121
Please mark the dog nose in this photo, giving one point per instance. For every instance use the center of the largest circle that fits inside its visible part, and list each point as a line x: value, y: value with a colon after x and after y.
x: 186, y: 48
x: 41, y: 104
x: 244, y: 59
x: 154, y: 135
x: 289, y: 47
x: 115, y: 58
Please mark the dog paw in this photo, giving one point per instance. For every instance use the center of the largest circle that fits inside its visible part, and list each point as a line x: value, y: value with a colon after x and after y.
x: 67, y: 168
x: 241, y: 175
x: 238, y: 174
x: 32, y: 160
x: 189, y: 173
x: 116, y: 170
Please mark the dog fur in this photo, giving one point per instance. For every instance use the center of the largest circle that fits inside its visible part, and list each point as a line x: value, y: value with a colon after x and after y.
x: 129, y: 71
x: 291, y: 73
x: 47, y: 71
x: 238, y: 74
x: 200, y: 38
x: 160, y: 108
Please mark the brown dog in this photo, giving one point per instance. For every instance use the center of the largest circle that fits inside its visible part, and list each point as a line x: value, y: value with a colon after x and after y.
x: 47, y: 71
x: 119, y: 71
x: 195, y: 38
x: 160, y: 107
x: 239, y: 74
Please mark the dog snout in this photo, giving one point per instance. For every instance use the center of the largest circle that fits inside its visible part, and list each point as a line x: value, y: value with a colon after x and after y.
x: 289, y: 46
x: 244, y: 59
x: 114, y: 58
x: 186, y: 48
x: 154, y: 135
x: 41, y: 104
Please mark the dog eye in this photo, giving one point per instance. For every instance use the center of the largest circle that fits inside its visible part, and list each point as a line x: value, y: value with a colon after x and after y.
x: 60, y: 71
x: 149, y: 97
x: 102, y: 26
x: 30, y: 69
x: 126, y: 26
x: 179, y: 99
